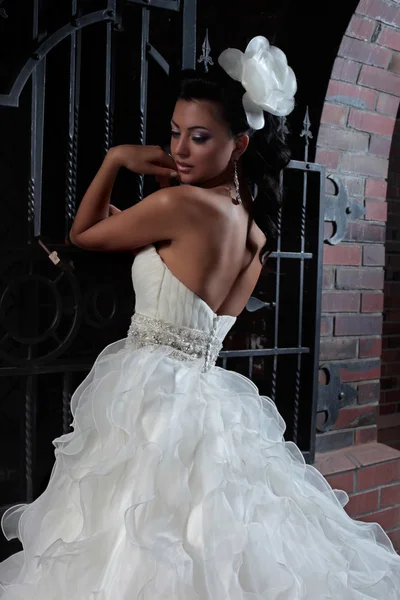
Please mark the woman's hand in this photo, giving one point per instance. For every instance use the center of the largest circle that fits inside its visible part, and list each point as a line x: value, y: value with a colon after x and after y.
x: 146, y: 160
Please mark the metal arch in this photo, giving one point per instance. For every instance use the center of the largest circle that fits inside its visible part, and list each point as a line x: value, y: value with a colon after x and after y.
x: 12, y: 99
x: 167, y: 4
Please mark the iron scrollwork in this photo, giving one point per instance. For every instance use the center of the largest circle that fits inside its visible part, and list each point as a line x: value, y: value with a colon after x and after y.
x: 340, y: 209
x: 333, y: 396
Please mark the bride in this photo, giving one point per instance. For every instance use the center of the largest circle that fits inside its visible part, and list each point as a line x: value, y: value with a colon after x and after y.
x: 176, y: 482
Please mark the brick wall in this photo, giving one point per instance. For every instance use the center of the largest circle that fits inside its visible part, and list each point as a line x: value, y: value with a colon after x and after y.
x: 370, y: 474
x: 354, y: 141
x: 389, y: 410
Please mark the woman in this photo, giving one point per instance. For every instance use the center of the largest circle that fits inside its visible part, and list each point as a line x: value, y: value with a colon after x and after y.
x: 176, y: 482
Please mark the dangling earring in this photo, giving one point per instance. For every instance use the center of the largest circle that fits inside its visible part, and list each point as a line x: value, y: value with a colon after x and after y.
x: 238, y: 199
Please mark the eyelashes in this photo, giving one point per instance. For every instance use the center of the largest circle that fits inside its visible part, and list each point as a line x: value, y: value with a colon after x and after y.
x: 198, y: 139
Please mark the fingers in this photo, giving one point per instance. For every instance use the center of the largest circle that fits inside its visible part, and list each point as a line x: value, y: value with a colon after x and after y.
x: 162, y: 173
x: 165, y: 160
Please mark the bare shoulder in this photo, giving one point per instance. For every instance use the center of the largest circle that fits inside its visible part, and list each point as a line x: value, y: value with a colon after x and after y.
x: 192, y: 201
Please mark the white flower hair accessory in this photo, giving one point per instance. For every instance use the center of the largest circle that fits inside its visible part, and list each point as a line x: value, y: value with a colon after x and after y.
x: 269, y: 82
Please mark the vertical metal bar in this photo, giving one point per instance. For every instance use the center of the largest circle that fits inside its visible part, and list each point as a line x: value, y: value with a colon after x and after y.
x: 66, y: 402
x: 296, y: 408
x: 73, y: 123
x: 277, y: 294
x: 189, y: 34
x: 109, y: 84
x: 37, y: 124
x: 250, y: 371
x: 144, y: 72
x: 30, y: 435
x: 318, y: 301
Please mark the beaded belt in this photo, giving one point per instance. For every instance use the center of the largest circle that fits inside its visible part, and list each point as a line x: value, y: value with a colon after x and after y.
x: 188, y: 343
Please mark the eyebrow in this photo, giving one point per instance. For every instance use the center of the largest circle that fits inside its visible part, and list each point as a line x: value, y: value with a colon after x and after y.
x: 190, y: 128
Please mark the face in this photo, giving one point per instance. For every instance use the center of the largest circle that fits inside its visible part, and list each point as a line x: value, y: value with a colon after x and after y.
x: 201, y: 143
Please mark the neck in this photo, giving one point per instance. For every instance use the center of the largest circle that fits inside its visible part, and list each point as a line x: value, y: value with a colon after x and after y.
x: 226, y: 177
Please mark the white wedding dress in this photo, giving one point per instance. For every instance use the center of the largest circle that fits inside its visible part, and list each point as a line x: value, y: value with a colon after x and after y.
x: 176, y: 482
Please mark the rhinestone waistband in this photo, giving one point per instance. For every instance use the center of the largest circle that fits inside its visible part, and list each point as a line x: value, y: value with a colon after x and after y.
x: 187, y: 343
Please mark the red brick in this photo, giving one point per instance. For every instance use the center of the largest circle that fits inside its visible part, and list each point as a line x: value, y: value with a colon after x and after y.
x: 361, y: 28
x: 368, y: 392
x: 333, y: 114
x: 340, y: 302
x: 364, y: 232
x: 358, y: 325
x: 390, y: 495
x: 375, y: 211
x: 362, y: 278
x: 363, y: 502
x: 334, y: 462
x: 380, y: 146
x: 389, y: 356
x: 342, y: 481
x: 390, y: 368
x: 371, y: 122
x: 372, y: 302
x: 373, y: 454
x: 393, y: 315
x: 370, y: 347
x: 364, y: 435
x: 391, y: 328
x: 374, y: 255
x: 339, y: 348
x: 387, y: 409
x: 394, y: 262
x: 369, y: 54
x: 379, y: 10
x: 342, y: 255
x: 388, y: 518
x: 375, y: 188
x: 342, y: 139
x: 326, y: 325
x: 361, y: 370
x: 345, y: 70
x: 395, y: 539
x: 329, y: 158
x: 328, y: 279
x: 379, y: 79
x: 387, y: 105
x: 394, y: 65
x: 357, y: 416
x: 389, y: 435
x: 377, y: 475
x: 392, y: 395
x: 390, y: 38
x: 354, y: 95
x: 365, y: 165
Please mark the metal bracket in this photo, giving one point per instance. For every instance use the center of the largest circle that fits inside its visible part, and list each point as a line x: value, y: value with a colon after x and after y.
x: 340, y: 209
x: 254, y: 304
x: 333, y: 396
x: 65, y: 265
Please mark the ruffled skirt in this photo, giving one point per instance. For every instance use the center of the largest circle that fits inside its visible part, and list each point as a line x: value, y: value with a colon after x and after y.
x: 178, y: 485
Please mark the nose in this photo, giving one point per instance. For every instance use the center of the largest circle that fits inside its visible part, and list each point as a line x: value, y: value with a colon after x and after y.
x: 182, y: 146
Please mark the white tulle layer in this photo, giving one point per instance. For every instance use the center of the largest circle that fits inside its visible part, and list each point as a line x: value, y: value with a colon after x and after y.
x: 178, y: 485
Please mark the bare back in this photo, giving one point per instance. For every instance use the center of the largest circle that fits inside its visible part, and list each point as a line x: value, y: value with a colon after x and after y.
x: 218, y: 256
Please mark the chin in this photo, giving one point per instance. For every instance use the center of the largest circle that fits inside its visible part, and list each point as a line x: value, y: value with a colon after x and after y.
x: 187, y: 178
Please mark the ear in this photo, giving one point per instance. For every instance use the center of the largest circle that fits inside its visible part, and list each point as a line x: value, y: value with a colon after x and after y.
x: 241, y: 143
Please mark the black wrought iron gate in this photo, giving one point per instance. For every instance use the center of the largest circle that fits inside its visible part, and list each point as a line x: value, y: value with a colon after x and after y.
x: 96, y: 75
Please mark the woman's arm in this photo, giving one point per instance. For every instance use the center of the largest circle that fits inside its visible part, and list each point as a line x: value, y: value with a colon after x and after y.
x: 95, y: 204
